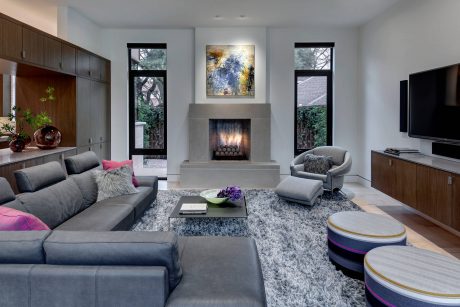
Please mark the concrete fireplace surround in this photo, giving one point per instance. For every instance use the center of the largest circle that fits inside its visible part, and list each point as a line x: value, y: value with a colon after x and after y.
x: 202, y: 172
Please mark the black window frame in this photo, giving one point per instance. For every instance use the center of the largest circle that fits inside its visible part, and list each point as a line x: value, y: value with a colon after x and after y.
x: 132, y: 74
x: 328, y: 73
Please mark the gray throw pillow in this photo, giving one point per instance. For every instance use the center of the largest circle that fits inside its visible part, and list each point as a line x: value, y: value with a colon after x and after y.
x: 317, y: 164
x: 114, y: 182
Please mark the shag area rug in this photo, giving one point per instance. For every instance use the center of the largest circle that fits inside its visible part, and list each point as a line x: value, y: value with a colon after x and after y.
x: 291, y: 240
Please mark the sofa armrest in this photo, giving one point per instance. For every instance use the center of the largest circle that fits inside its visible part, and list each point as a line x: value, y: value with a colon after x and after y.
x: 148, y: 181
x: 61, y: 285
x: 343, y: 168
x: 116, y: 248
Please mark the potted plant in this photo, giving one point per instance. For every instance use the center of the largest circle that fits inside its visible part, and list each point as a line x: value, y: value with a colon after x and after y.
x: 46, y: 136
x: 15, y: 132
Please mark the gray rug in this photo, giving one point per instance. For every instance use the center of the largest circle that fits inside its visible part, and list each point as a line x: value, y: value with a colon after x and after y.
x: 291, y: 240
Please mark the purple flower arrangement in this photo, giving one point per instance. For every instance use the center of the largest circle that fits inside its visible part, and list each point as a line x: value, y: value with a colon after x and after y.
x: 233, y: 193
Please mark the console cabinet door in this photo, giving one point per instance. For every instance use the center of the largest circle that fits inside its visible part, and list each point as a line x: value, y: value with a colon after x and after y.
x: 99, y: 111
x: 405, y: 180
x: 434, y: 193
x: 33, y: 46
x: 84, y: 133
x: 11, y: 33
x: 456, y: 201
x: 383, y: 174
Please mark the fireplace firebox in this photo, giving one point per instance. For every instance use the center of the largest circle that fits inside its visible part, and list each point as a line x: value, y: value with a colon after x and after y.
x: 229, y: 139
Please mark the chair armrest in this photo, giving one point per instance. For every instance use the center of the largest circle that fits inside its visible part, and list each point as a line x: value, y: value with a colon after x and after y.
x: 343, y: 168
x: 313, y: 176
x: 296, y: 168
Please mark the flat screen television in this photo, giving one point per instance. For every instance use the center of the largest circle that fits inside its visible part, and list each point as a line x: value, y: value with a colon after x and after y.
x: 434, y: 104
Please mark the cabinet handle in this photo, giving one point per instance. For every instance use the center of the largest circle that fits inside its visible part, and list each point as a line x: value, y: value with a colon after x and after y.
x: 449, y: 180
x: 23, y: 54
x: 390, y: 162
x: 90, y: 73
x: 60, y: 65
x: 90, y: 140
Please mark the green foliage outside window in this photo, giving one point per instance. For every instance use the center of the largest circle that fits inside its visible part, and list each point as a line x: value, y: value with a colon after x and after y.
x: 311, y: 126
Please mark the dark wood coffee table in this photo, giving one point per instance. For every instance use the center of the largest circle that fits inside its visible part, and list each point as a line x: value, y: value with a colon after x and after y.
x: 232, y: 210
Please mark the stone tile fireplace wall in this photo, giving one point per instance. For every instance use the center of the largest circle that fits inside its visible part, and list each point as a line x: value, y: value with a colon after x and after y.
x: 201, y: 117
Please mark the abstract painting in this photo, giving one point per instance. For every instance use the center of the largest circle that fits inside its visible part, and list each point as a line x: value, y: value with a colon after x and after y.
x: 230, y: 70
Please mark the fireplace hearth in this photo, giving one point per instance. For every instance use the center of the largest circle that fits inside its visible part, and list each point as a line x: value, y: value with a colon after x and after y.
x: 229, y: 139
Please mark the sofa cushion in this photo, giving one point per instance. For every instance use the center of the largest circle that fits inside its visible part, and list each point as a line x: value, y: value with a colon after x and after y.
x: 139, y: 201
x: 101, y: 218
x: 110, y: 164
x: 317, y: 164
x: 81, y: 163
x: 12, y: 219
x: 116, y: 182
x: 86, y: 182
x: 219, y: 271
x: 34, y: 178
x: 116, y: 248
x: 54, y: 204
x: 6, y: 193
x: 22, y: 246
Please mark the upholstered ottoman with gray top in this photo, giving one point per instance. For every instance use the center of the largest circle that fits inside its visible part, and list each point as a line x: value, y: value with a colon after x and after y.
x: 300, y: 190
x: 351, y: 234
x: 411, y: 277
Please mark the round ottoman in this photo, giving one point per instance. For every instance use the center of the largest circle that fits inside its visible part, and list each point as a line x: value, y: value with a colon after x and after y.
x: 409, y: 276
x: 352, y: 234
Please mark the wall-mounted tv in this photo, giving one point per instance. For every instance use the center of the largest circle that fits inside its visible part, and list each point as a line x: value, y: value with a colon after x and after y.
x: 434, y: 104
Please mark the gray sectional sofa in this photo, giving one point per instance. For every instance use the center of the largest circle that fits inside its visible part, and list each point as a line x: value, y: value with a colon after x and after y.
x: 86, y: 260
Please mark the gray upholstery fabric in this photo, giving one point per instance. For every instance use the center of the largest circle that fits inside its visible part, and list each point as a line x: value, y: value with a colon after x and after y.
x: 86, y: 182
x: 80, y: 163
x: 54, y: 204
x: 22, y: 246
x: 139, y: 201
x: 116, y: 248
x: 6, y: 193
x: 218, y: 272
x: 335, y: 176
x: 34, y: 178
x: 148, y: 181
x: 115, y: 182
x: 16, y: 204
x: 46, y: 285
x: 317, y: 164
x: 304, y: 191
x: 101, y: 217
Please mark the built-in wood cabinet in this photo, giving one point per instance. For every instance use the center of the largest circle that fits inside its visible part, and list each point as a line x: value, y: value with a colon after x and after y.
x: 11, y: 46
x: 432, y: 191
x: 83, y: 63
x: 32, y: 46
x: 53, y: 53
x: 68, y: 58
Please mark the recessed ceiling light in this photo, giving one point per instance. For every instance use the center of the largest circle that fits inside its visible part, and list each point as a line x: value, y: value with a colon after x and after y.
x: 218, y: 17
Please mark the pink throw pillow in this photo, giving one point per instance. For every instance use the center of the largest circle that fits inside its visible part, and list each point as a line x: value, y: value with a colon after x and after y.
x: 13, y: 220
x: 108, y: 165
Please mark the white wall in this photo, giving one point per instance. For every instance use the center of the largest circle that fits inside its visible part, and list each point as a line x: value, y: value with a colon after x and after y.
x: 180, y: 74
x: 40, y: 16
x: 231, y: 36
x: 79, y: 30
x: 414, y: 35
x: 346, y: 127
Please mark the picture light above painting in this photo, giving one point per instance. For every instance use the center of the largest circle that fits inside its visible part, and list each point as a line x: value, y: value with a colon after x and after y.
x: 230, y: 70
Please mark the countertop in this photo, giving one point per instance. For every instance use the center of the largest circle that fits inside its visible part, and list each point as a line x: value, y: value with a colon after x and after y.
x: 9, y: 157
x: 435, y: 162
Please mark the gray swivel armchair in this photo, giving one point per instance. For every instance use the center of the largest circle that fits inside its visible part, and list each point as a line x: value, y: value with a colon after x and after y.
x: 334, y: 178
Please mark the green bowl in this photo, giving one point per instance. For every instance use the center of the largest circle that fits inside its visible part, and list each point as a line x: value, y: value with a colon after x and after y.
x: 211, y: 196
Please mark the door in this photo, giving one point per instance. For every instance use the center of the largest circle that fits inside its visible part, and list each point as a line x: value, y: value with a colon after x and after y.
x: 68, y: 58
x: 84, y: 132
x: 52, y: 54
x: 83, y: 63
x: 383, y: 174
x: 455, y: 201
x: 11, y: 33
x: 405, y: 176
x: 98, y: 112
x: 33, y: 46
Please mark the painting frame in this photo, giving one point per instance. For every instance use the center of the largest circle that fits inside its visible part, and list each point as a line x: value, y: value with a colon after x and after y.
x: 230, y: 71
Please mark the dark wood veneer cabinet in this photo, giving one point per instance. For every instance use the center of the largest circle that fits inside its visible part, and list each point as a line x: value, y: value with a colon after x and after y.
x: 431, y: 191
x: 83, y: 63
x: 53, y: 53
x: 68, y: 58
x: 11, y: 46
x: 32, y: 46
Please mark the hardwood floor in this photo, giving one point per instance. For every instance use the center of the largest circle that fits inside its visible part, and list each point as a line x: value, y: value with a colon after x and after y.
x: 421, y: 232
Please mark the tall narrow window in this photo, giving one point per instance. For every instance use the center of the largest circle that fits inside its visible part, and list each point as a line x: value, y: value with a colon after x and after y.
x: 147, y: 104
x: 313, y: 95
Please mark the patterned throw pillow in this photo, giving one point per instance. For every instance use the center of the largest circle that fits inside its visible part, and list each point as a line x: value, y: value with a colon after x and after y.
x: 114, y: 182
x: 109, y: 165
x: 317, y: 164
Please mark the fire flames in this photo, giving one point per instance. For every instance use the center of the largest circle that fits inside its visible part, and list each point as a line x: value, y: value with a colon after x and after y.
x: 230, y: 138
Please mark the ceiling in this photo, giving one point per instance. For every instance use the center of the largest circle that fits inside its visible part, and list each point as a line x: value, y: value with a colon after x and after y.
x: 202, y: 13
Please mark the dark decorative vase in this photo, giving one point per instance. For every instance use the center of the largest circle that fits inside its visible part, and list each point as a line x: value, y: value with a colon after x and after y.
x: 17, y: 145
x: 47, y: 137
